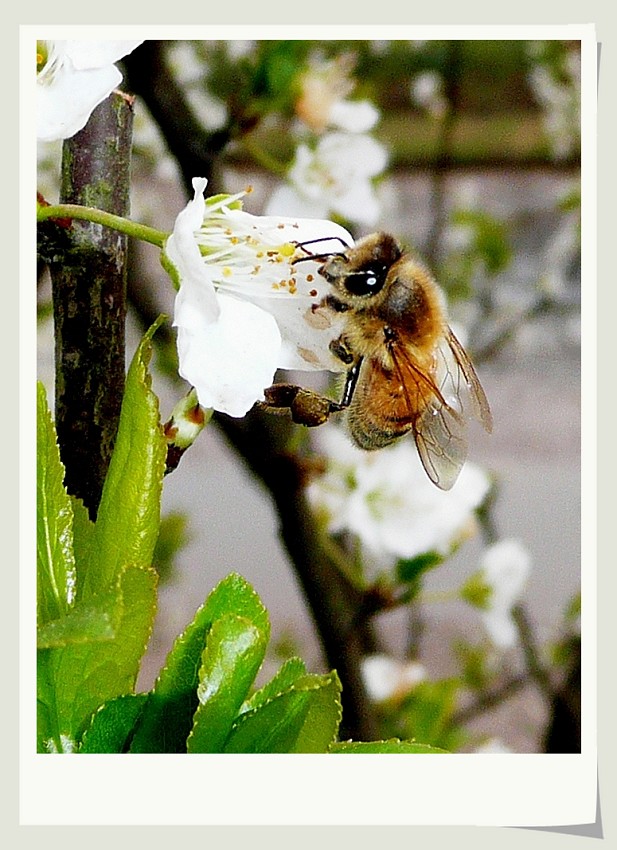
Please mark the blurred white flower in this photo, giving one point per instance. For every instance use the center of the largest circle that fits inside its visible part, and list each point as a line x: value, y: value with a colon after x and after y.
x: 73, y: 77
x: 386, y: 499
x: 388, y: 678
x: 238, y: 48
x: 558, y: 90
x: 242, y: 309
x: 504, y: 569
x: 427, y: 91
x: 354, y: 116
x: 334, y: 177
x: 190, y: 69
x: 184, y: 60
x: 322, y: 102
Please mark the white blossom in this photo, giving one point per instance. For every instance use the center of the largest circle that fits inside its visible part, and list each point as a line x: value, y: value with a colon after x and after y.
x: 333, y: 177
x: 558, y: 91
x: 387, y: 678
x: 323, y: 100
x: 386, y: 499
x: 73, y: 77
x: 504, y: 568
x: 243, y: 309
x: 427, y: 91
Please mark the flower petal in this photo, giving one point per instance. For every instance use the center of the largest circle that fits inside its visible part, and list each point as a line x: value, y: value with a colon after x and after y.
x: 97, y: 54
x: 355, y: 116
x: 232, y: 360
x: 183, y: 251
x: 65, y: 103
x: 77, y: 76
x: 287, y: 200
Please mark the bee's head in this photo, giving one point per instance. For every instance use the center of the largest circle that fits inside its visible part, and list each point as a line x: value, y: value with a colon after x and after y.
x: 361, y: 271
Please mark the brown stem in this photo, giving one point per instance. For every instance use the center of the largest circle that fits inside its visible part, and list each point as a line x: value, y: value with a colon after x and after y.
x: 89, y: 299
x: 490, y: 699
x: 443, y: 159
x: 537, y: 671
x: 563, y: 733
x: 195, y: 149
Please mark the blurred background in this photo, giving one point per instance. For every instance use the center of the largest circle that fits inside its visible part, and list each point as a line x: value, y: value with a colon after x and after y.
x: 469, y: 153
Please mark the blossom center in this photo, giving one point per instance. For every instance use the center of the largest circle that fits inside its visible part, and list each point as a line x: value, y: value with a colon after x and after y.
x: 241, y: 255
x: 47, y: 61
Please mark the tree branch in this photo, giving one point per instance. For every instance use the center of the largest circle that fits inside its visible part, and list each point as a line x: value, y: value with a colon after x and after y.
x: 89, y: 299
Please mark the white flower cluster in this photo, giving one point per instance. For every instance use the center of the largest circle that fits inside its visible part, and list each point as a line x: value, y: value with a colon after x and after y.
x: 336, y: 158
x: 387, y: 501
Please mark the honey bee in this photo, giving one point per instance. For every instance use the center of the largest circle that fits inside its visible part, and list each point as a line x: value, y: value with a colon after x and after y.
x: 406, y: 370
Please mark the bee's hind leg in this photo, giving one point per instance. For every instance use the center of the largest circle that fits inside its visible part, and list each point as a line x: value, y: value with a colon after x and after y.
x: 308, y: 407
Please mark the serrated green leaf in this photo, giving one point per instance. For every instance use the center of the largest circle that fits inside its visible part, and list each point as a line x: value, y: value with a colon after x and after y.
x: 112, y: 726
x: 127, y: 524
x: 391, y: 746
x: 290, y: 672
x: 234, y: 595
x: 56, y: 576
x: 168, y: 716
x: 234, y: 652
x: 74, y: 681
x: 83, y: 538
x: 86, y: 622
x: 303, y: 719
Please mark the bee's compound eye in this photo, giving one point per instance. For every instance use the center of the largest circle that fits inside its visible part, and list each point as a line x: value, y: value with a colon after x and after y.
x: 367, y: 281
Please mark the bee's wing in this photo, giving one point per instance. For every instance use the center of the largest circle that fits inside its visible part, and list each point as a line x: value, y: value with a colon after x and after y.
x: 443, y: 403
x: 456, y: 376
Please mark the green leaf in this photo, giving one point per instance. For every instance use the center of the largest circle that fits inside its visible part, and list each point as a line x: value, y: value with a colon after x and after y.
x: 83, y: 538
x: 490, y: 238
x: 303, y: 719
x: 56, y: 575
x: 287, y: 676
x: 112, y: 726
x: 127, y: 524
x: 168, y: 716
x: 74, y: 680
x: 234, y: 595
x: 86, y: 622
x: 410, y: 569
x: 429, y: 709
x: 235, y: 650
x: 391, y: 746
x: 474, y: 662
x: 277, y: 69
x: 476, y: 591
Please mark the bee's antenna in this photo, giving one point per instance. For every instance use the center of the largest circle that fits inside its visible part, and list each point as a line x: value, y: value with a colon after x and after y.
x: 322, y: 256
